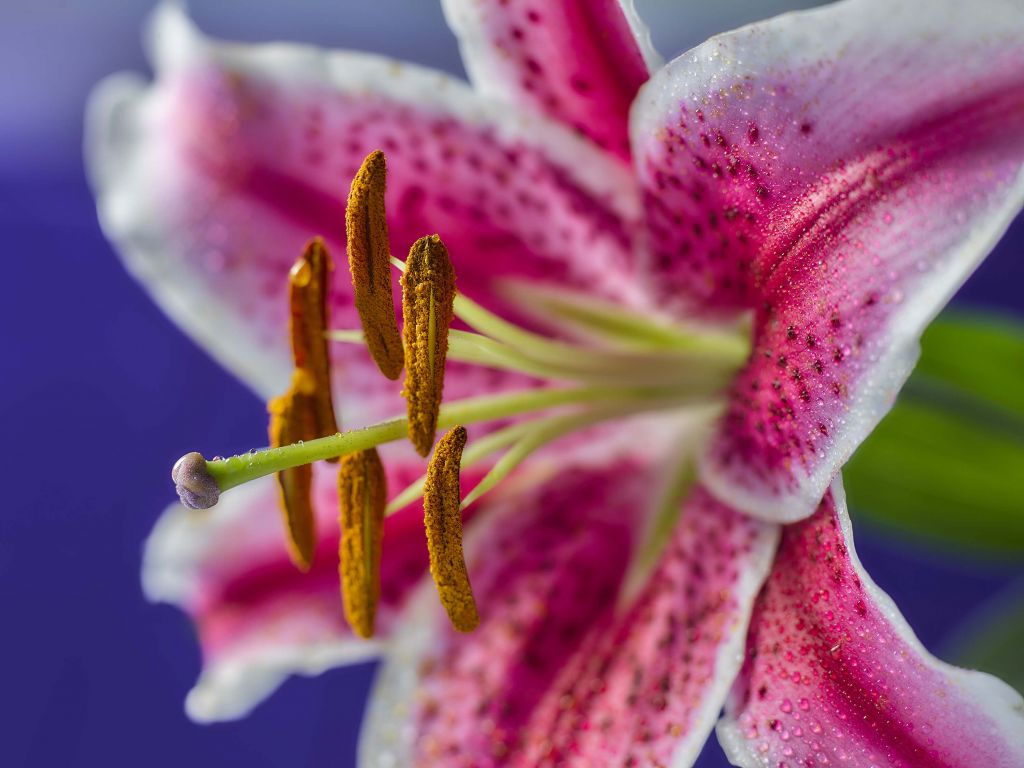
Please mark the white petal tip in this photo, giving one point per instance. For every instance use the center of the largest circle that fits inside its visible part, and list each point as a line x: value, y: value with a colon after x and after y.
x: 231, y: 688
x: 172, y: 555
x: 108, y: 116
x: 228, y: 692
x: 171, y: 37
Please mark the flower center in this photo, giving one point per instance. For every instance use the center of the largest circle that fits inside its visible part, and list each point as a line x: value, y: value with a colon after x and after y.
x: 625, y: 364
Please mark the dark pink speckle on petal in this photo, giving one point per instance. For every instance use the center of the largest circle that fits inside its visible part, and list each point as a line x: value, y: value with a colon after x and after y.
x: 575, y: 60
x: 832, y: 678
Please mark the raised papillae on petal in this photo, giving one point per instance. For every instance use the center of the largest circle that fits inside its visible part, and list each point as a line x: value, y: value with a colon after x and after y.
x: 428, y: 294
x: 293, y: 418
x: 308, y: 283
x: 369, y: 259
x: 442, y: 516
x: 578, y: 61
x: 547, y: 562
x: 647, y: 688
x: 211, y: 180
x: 831, y: 172
x: 362, y: 497
x: 557, y: 677
x: 834, y: 676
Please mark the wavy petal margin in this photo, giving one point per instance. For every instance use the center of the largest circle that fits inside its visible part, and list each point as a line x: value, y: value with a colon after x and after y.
x: 835, y: 676
x: 832, y: 172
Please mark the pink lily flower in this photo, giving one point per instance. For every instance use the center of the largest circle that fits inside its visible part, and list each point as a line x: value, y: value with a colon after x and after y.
x: 834, y: 175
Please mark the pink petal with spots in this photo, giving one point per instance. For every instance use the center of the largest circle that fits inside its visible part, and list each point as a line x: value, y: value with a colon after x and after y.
x: 831, y: 171
x: 212, y: 179
x: 258, y: 618
x: 544, y: 568
x: 647, y: 687
x: 578, y: 61
x: 834, y: 676
x: 552, y: 676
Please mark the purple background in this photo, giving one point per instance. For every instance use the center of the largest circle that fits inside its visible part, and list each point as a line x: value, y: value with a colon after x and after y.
x: 100, y: 393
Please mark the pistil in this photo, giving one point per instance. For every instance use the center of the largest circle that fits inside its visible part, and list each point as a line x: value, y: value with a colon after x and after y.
x: 237, y: 470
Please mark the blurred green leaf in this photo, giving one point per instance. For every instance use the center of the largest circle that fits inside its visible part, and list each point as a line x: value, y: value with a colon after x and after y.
x: 992, y: 642
x: 947, y: 463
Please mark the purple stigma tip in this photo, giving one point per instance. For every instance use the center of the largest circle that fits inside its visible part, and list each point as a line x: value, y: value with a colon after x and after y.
x: 196, y: 487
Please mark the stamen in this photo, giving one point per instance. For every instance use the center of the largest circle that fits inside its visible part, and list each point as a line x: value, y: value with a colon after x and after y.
x: 428, y: 294
x: 369, y: 261
x: 307, y: 283
x: 362, y: 493
x: 291, y: 421
x: 443, y: 520
x: 196, y: 487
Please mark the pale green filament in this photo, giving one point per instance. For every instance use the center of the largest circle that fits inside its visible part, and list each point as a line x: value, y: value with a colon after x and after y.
x: 526, y: 437
x: 726, y: 347
x: 591, y: 318
x: 695, y: 372
x: 555, y: 428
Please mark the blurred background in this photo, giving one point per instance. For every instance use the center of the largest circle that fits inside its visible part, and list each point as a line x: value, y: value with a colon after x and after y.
x: 100, y: 393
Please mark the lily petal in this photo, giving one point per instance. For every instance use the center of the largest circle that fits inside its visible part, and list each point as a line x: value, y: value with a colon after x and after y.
x: 211, y: 180
x: 831, y: 171
x: 552, y: 676
x: 578, y: 61
x: 258, y: 618
x: 834, y: 674
x: 647, y: 688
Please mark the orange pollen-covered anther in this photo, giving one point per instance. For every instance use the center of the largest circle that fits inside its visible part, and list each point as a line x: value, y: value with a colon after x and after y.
x: 443, y: 521
x: 305, y: 411
x: 369, y: 260
x: 362, y: 497
x: 428, y: 296
x: 307, y: 287
x: 292, y: 418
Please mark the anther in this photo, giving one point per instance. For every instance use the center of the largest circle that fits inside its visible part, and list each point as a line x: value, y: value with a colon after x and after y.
x: 196, y: 487
x: 307, y: 284
x: 443, y: 521
x: 292, y: 419
x: 369, y: 257
x: 362, y: 496
x: 428, y: 295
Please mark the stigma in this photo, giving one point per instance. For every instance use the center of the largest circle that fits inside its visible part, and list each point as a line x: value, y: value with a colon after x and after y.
x: 630, y: 364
